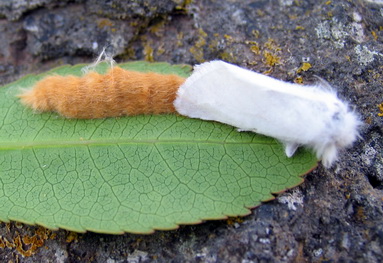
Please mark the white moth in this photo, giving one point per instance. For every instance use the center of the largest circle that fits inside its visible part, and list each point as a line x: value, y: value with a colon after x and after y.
x: 296, y: 115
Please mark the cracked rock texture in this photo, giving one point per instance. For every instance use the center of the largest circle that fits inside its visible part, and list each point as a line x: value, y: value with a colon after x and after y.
x: 334, y: 216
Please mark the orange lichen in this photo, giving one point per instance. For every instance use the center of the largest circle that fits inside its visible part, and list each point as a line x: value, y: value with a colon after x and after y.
x: 118, y: 93
x: 71, y: 237
x: 103, y: 23
x: 234, y: 220
x: 26, y: 245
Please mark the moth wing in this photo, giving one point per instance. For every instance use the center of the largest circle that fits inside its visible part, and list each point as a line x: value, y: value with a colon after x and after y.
x: 294, y: 114
x: 245, y: 99
x: 222, y: 92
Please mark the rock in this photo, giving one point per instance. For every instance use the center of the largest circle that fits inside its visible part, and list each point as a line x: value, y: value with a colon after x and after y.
x: 335, y: 215
x: 14, y: 9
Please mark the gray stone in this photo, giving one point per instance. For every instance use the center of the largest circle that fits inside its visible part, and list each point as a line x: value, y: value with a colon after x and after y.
x: 335, y: 215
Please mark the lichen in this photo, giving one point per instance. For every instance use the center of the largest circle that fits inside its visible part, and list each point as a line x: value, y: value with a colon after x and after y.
x: 304, y: 67
x: 197, y: 49
x: 380, y: 106
x: 27, y: 245
x: 270, y: 53
x: 148, y: 52
x: 298, y: 80
x: 374, y: 35
x: 231, y: 221
x: 271, y: 59
x: 71, y: 237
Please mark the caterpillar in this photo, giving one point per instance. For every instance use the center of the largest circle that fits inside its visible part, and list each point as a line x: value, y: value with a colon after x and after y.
x: 296, y: 115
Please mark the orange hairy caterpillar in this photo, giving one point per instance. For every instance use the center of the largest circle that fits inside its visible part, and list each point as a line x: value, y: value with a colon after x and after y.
x: 119, y: 92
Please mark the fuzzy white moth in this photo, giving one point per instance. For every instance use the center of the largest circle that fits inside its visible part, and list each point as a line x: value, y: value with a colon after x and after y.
x: 296, y: 115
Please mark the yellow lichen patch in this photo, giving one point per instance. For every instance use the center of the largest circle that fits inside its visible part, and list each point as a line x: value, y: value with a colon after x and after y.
x: 300, y: 28
x: 183, y: 5
x: 180, y: 37
x: 255, y: 49
x: 360, y: 214
x: 260, y: 13
x: 269, y: 51
x: 53, y: 236
x: 305, y: 66
x: 231, y: 221
x: 197, y: 49
x: 226, y: 56
x: 148, y: 52
x: 161, y: 49
x: 271, y: 59
x: 228, y: 38
x: 72, y: 236
x: 271, y: 45
x: 214, y: 43
x: 158, y: 29
x: 103, y: 23
x: 298, y: 2
x: 298, y: 80
x: 375, y: 36
x: 255, y: 33
x: 328, y: 2
x: 380, y: 106
x: 2, y: 243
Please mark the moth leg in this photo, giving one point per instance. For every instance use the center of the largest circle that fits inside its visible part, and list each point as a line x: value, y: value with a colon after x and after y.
x: 290, y: 148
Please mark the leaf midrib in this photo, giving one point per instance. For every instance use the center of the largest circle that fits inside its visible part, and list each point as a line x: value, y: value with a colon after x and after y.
x: 65, y: 143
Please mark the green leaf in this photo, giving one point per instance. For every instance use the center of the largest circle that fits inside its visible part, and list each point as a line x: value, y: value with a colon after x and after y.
x: 133, y: 174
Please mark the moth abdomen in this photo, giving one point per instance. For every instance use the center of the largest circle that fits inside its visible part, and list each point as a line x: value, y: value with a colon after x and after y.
x: 117, y: 93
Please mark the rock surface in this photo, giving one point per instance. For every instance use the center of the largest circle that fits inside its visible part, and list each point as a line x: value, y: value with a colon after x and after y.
x: 334, y: 216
